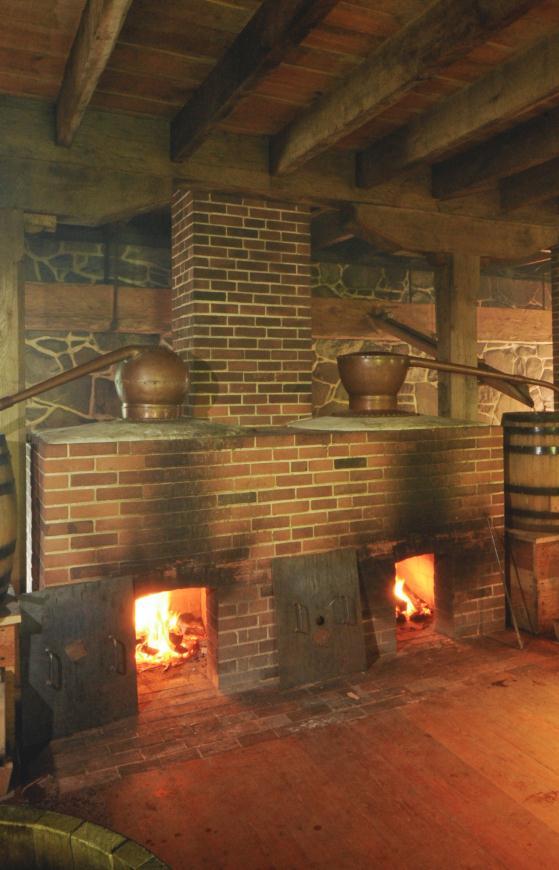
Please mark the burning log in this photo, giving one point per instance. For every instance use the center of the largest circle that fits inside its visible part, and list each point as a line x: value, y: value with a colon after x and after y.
x: 165, y: 638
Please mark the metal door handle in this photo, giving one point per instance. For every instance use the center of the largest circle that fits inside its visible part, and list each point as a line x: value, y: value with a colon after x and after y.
x: 54, y: 679
x: 301, y: 618
x: 343, y: 609
x: 119, y: 656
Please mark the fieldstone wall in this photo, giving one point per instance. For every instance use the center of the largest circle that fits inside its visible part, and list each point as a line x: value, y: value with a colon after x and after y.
x: 92, y: 397
x: 410, y: 283
x: 50, y: 260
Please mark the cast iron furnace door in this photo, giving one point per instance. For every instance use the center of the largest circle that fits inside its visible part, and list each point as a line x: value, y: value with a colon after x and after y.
x: 320, y: 631
x: 77, y: 658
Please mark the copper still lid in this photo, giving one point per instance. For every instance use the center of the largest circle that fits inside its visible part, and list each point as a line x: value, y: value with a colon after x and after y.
x: 152, y: 385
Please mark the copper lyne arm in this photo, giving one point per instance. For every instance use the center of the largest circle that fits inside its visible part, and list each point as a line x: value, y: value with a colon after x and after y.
x: 459, y: 369
x: 94, y: 365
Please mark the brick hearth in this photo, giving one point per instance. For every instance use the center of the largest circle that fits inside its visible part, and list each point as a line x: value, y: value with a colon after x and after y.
x: 195, y: 504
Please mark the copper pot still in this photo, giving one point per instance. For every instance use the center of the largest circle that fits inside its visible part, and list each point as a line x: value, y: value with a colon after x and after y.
x: 152, y: 385
x: 373, y: 378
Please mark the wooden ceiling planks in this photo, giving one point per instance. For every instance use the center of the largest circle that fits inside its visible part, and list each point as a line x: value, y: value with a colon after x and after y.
x: 166, y: 50
x: 35, y: 40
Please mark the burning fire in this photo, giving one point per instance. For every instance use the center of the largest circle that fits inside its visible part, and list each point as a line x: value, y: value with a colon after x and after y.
x: 408, y: 605
x: 163, y: 636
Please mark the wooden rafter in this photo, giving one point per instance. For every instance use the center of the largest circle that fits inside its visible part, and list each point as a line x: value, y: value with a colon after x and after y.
x: 95, y: 39
x: 260, y: 47
x: 448, y: 30
x: 514, y: 87
x: 526, y: 145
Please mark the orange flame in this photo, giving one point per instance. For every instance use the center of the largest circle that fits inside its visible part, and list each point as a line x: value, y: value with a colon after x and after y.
x: 403, y: 597
x: 412, y: 605
x: 154, y: 621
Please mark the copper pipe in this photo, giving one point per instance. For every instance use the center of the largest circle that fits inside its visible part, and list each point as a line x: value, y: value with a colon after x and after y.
x: 107, y: 359
x: 459, y: 369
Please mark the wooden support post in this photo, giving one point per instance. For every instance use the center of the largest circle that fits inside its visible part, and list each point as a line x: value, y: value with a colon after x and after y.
x: 12, y: 421
x: 457, y: 294
x: 555, y: 315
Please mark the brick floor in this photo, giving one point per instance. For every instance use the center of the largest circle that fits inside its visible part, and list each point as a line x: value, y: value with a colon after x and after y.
x: 182, y: 716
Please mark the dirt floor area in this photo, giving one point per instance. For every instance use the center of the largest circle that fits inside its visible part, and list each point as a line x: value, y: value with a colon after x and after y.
x: 447, y: 756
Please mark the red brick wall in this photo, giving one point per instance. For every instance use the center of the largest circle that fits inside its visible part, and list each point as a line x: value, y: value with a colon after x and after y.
x: 241, y: 306
x: 212, y: 512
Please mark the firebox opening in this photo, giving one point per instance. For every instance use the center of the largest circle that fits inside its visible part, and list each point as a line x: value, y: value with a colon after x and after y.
x: 414, y: 594
x: 171, y: 629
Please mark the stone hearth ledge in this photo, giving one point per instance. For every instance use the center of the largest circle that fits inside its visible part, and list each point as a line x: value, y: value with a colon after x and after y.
x: 181, y: 430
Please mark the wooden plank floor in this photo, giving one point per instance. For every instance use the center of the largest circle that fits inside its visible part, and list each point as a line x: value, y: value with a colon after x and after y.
x: 464, y: 774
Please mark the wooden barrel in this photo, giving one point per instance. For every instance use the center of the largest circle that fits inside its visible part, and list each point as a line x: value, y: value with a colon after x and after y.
x: 532, y: 471
x: 8, y: 517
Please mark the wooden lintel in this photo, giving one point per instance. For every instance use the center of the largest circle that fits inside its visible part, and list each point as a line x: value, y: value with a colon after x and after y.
x: 536, y: 184
x: 414, y: 230
x: 102, y: 308
x: 334, y: 317
x: 95, y: 39
x: 504, y: 93
x: 447, y: 30
x: 526, y: 145
x: 261, y: 46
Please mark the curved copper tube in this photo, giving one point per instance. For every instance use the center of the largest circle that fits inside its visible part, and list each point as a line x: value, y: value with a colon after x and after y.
x: 94, y: 365
x: 459, y: 369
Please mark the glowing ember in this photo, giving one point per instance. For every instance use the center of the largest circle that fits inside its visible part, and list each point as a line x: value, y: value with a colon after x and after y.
x: 162, y: 635
x: 407, y: 604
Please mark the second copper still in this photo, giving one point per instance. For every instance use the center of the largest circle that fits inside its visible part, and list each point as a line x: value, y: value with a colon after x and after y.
x: 372, y: 378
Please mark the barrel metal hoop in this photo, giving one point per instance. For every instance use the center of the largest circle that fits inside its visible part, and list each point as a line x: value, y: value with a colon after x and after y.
x: 7, y: 488
x: 7, y: 550
x: 536, y: 450
x: 531, y: 430
x: 531, y: 490
x: 524, y: 512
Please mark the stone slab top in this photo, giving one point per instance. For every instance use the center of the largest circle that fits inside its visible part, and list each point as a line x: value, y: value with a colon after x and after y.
x: 196, y: 429
x: 395, y: 423
x: 124, y: 430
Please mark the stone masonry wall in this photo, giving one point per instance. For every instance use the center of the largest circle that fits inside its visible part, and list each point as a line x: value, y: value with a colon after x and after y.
x: 408, y: 283
x: 48, y: 260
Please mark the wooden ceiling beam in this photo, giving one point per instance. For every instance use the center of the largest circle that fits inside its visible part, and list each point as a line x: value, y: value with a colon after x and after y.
x: 526, y: 145
x: 260, y: 47
x: 537, y: 184
x: 98, y: 31
x: 422, y: 231
x: 449, y: 29
x: 331, y: 228
x: 510, y: 89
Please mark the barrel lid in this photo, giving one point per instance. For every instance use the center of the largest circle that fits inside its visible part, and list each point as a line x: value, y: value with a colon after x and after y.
x: 530, y: 417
